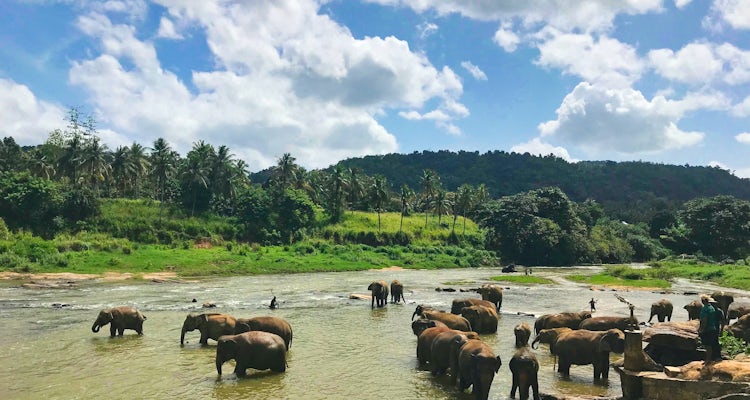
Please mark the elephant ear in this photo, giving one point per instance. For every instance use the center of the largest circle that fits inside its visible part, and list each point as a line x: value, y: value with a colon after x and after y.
x: 242, y: 327
x: 608, y: 340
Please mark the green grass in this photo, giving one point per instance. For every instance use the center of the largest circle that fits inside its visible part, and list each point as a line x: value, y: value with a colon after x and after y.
x: 607, y: 280
x: 728, y: 275
x: 523, y: 279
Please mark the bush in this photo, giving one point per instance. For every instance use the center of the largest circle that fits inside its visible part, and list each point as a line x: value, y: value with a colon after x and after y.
x: 13, y: 262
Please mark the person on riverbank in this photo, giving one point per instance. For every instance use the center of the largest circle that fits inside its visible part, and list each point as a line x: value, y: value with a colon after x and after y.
x: 592, y: 304
x: 708, y: 330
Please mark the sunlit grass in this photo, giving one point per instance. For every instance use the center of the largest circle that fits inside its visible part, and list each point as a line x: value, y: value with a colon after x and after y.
x: 523, y: 279
x: 607, y: 280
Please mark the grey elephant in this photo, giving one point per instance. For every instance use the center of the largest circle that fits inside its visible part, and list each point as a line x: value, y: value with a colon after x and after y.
x: 482, y: 319
x: 525, y: 370
x: 741, y: 328
x: 458, y: 304
x: 119, y: 318
x: 477, y: 366
x: 693, y: 309
x: 275, y: 325
x: 522, y: 332
x: 606, y: 323
x: 210, y: 325
x: 739, y: 308
x: 444, y: 351
x: 255, y: 349
x: 724, y: 299
x: 379, y: 290
x: 549, y: 337
x: 420, y: 324
x: 662, y: 309
x: 397, y: 291
x: 581, y: 347
x: 570, y: 320
x: 451, y: 320
x: 493, y: 294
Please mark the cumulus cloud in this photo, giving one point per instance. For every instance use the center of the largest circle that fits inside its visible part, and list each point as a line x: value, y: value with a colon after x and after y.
x: 597, y: 118
x: 682, y: 66
x: 600, y: 60
x: 569, y: 15
x: 27, y: 119
x: 287, y: 79
x: 742, y: 109
x: 743, y: 137
x: 735, y: 13
x: 167, y: 29
x: 536, y: 146
x: 681, y: 3
x: 506, y: 38
x: 475, y: 71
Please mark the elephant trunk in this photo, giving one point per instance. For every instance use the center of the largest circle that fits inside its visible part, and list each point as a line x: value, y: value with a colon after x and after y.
x: 95, y: 327
x: 414, y: 314
x: 533, y: 344
x: 218, y: 364
x: 182, y: 334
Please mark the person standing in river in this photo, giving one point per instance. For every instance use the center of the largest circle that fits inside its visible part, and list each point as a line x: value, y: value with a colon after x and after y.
x: 592, y: 303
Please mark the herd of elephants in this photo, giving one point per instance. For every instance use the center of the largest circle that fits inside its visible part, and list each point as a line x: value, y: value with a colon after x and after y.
x: 446, y: 341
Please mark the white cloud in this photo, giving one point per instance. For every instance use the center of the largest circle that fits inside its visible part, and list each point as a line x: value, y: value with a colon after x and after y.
x: 683, y: 67
x: 736, y: 13
x: 743, y: 137
x: 681, y: 3
x: 603, y: 60
x: 506, y: 38
x: 475, y: 71
x: 536, y: 147
x: 742, y: 109
x: 623, y: 120
x: 24, y: 117
x: 568, y: 15
x: 287, y: 79
x: 426, y: 29
x: 737, y: 61
x: 167, y: 29
x: 740, y: 173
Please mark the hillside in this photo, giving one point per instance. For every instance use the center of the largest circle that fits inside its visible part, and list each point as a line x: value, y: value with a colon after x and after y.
x: 619, y: 186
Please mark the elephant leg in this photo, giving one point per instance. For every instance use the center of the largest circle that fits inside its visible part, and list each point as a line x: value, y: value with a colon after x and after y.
x: 204, y: 337
x: 669, y: 317
x: 514, y: 385
x: 563, y: 366
x: 112, y: 330
x: 650, y: 318
x: 240, y: 369
x: 535, y: 385
x: 120, y: 331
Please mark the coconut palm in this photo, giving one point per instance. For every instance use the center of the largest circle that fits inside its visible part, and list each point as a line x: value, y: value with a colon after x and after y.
x: 285, y: 171
x: 463, y: 201
x: 355, y: 190
x: 136, y: 166
x: 441, y: 204
x: 379, y: 195
x: 430, y: 182
x: 406, y: 195
x: 94, y: 163
x: 40, y: 165
x: 337, y: 184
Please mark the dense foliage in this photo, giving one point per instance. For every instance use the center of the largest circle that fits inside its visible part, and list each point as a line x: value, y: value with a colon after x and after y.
x: 531, y: 210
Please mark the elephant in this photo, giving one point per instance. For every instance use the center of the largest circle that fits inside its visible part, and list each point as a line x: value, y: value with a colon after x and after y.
x: 571, y: 320
x: 119, y: 318
x: 255, y: 349
x: 266, y: 324
x: 451, y: 320
x: 420, y: 324
x: 741, y: 328
x: 492, y: 293
x: 210, y: 325
x: 662, y: 309
x: 379, y: 290
x: 477, y: 366
x: 482, y: 319
x: 581, y: 347
x: 607, y: 323
x: 522, y: 333
x: 425, y: 339
x: 525, y: 369
x: 724, y: 299
x: 459, y: 304
x: 549, y: 337
x: 397, y: 292
x: 693, y: 309
x: 738, y: 309
x: 444, y: 351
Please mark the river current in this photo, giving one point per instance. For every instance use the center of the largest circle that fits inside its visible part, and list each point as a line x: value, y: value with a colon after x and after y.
x: 342, y: 348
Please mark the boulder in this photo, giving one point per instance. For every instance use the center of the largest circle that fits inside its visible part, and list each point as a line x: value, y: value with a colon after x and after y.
x: 739, y: 308
x: 673, y: 343
x: 725, y: 371
x: 741, y: 328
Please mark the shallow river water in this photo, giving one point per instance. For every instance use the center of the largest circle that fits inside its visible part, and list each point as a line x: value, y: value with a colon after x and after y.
x: 341, y: 350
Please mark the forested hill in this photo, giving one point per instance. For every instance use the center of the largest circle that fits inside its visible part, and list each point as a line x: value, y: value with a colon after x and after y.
x: 618, y: 186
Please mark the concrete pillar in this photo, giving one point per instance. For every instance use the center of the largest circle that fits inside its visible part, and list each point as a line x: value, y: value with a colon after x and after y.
x: 635, y: 359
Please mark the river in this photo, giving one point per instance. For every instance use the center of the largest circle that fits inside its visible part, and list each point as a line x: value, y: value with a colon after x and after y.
x: 341, y: 350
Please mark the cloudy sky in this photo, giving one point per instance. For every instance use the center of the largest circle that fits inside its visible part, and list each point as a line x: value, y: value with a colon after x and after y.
x: 663, y: 81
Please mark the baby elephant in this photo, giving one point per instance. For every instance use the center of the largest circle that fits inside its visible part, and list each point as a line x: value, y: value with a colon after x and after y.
x: 255, y: 349
x: 119, y: 318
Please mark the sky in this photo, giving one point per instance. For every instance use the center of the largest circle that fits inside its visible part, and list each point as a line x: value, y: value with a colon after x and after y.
x: 645, y: 80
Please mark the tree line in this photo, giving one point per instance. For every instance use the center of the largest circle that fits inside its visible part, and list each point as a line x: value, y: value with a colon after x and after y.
x: 58, y: 185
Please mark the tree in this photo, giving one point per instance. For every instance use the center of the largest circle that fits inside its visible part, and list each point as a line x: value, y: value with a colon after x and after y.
x: 337, y: 184
x: 194, y: 175
x: 463, y: 203
x: 295, y: 213
x: 355, y: 189
x: 379, y: 195
x: 719, y: 226
x: 11, y: 156
x: 441, y: 204
x: 94, y: 162
x: 406, y: 195
x: 136, y: 166
x: 429, y: 182
x: 285, y: 171
x: 163, y: 162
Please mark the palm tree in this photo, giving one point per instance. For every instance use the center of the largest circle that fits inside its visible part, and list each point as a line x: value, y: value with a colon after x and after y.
x: 285, y: 171
x: 441, y: 204
x: 355, y: 188
x: 40, y: 165
x: 337, y: 184
x: 70, y: 160
x: 95, y: 162
x: 163, y: 166
x: 136, y: 166
x: 221, y: 172
x: 406, y: 195
x: 119, y: 169
x: 195, y: 174
x: 379, y: 195
x: 464, y: 201
x: 429, y: 183
x: 479, y: 197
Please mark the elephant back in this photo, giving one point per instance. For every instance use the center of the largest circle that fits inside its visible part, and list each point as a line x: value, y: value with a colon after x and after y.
x: 270, y: 324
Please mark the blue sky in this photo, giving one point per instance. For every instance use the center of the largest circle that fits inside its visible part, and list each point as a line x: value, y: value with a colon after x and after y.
x: 663, y: 81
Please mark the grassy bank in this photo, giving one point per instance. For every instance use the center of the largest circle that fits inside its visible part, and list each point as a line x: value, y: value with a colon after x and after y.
x: 728, y: 275
x: 523, y: 279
